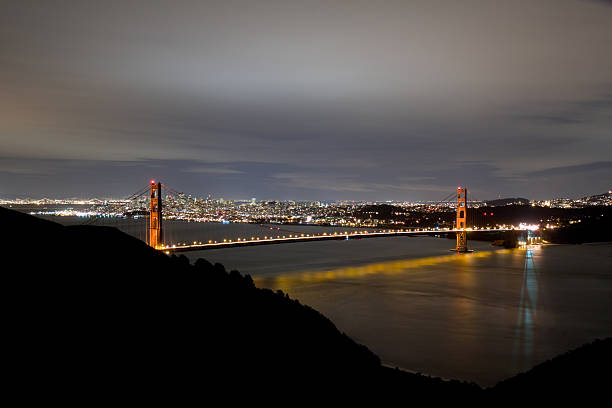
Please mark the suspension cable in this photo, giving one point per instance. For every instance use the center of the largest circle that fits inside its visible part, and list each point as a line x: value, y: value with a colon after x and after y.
x: 131, y: 197
x: 172, y: 190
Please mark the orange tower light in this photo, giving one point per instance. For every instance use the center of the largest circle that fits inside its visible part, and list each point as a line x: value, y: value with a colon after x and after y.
x: 155, y: 216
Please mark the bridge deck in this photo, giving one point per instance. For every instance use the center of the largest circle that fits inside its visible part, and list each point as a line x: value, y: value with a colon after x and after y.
x: 309, y: 237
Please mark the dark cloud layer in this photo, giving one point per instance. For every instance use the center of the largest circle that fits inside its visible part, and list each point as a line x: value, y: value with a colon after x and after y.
x: 306, y: 100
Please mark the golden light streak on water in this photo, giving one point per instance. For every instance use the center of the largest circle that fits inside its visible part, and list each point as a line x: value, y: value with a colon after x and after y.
x: 286, y: 281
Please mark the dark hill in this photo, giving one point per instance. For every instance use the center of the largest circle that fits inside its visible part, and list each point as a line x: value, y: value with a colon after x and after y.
x: 94, y: 315
x: 585, y: 369
x: 95, y: 311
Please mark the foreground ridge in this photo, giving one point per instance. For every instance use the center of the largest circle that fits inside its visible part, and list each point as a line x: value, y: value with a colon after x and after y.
x: 137, y: 324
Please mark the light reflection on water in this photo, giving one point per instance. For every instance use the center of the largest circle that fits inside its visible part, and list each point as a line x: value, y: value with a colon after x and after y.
x: 527, y: 315
x: 481, y: 317
x: 288, y: 280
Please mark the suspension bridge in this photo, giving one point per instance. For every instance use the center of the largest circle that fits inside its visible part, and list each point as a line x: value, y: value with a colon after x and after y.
x: 155, y: 230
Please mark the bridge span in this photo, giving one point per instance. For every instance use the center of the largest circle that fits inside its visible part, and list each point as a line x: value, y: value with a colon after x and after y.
x: 155, y: 231
x: 292, y: 238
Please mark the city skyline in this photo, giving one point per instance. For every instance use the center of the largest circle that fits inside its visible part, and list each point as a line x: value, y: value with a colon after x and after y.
x: 210, y: 196
x: 286, y: 100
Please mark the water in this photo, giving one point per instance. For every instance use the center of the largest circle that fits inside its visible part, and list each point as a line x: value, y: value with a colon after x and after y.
x: 480, y: 317
x: 176, y: 231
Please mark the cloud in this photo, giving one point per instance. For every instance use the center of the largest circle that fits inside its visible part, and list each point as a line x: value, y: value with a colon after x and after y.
x: 323, y: 182
x: 608, y: 2
x: 21, y: 171
x: 212, y: 170
x: 336, y: 99
x: 330, y: 182
x: 575, y: 169
x: 551, y: 119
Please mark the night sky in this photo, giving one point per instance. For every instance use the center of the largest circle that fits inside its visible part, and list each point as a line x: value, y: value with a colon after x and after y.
x: 360, y: 100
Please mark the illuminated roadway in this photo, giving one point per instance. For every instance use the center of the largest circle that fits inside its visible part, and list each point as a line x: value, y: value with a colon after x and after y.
x: 299, y: 237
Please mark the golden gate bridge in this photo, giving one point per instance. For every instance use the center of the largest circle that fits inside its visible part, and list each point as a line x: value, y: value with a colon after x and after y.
x: 155, y: 230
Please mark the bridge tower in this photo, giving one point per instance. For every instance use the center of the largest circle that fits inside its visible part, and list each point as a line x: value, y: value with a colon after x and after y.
x: 155, y: 216
x: 461, y: 219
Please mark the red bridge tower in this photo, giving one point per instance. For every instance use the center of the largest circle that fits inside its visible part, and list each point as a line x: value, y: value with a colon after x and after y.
x: 155, y: 216
x: 461, y: 219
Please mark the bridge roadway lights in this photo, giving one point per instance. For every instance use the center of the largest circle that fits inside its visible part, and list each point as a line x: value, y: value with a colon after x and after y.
x: 277, y: 240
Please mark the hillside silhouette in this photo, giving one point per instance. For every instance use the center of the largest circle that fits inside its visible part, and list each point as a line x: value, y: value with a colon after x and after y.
x: 95, y: 315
